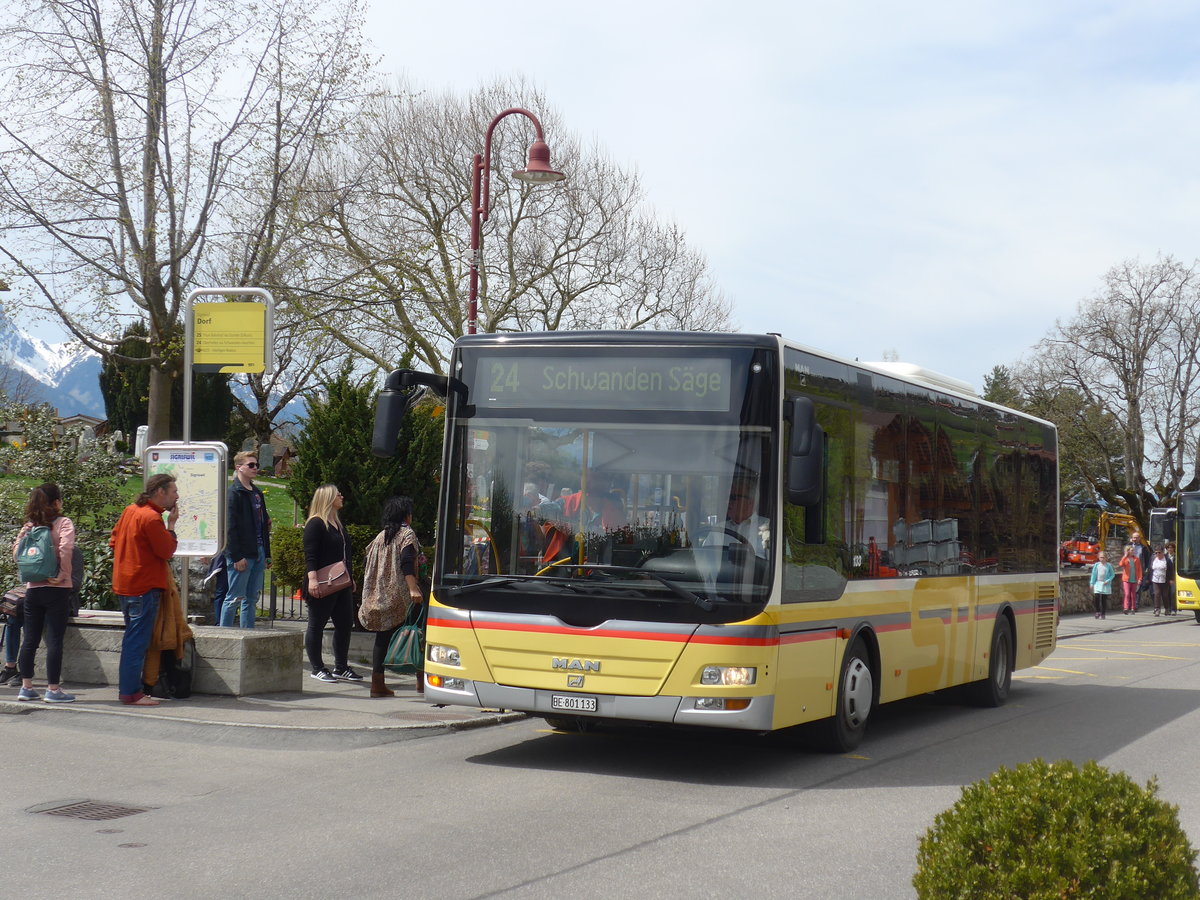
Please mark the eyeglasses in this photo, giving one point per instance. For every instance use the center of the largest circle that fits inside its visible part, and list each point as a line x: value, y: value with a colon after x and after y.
x: 251, y: 465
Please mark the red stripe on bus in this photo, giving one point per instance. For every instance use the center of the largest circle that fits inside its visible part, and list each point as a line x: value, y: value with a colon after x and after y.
x: 629, y: 635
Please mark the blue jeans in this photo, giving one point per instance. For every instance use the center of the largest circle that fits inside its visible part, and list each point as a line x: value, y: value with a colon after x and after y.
x: 244, y: 588
x: 12, y: 638
x: 220, y: 587
x: 140, y: 614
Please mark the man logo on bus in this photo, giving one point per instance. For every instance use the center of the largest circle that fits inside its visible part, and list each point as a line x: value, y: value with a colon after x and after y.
x: 575, y: 665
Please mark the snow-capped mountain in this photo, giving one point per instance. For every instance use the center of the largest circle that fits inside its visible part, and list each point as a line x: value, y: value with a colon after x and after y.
x: 66, y: 375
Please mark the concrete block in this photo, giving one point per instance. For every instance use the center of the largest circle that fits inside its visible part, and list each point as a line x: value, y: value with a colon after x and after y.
x: 229, y: 661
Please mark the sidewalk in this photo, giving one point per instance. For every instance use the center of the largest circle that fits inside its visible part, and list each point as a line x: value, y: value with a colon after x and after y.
x: 1075, y: 625
x: 325, y: 716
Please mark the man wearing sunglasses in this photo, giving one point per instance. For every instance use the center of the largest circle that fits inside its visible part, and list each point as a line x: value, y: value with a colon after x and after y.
x: 248, y: 542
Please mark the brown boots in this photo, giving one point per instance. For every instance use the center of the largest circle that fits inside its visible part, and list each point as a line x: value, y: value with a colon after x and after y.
x: 378, y: 688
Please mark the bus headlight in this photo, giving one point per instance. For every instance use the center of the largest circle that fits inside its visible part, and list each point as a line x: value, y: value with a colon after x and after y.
x: 449, y: 684
x: 445, y: 656
x: 1186, y: 595
x: 729, y: 675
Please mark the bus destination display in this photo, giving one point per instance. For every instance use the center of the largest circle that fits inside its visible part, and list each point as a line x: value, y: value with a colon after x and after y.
x: 699, y: 384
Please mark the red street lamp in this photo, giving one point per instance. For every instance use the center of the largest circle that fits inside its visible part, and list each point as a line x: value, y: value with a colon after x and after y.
x: 536, y: 171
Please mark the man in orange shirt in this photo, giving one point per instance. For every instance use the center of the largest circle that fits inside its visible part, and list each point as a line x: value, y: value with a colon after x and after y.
x: 142, y: 547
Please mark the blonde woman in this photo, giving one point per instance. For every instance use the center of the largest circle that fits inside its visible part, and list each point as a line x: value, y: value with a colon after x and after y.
x: 326, y: 542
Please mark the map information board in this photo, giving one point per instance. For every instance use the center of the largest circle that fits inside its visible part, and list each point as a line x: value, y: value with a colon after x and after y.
x: 199, y: 471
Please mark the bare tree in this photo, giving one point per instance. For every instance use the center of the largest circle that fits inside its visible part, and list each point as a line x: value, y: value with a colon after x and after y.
x: 1124, y: 376
x: 395, y: 206
x: 136, y: 136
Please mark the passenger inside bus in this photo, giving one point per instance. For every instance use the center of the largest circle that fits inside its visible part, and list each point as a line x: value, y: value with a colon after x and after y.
x: 593, y: 510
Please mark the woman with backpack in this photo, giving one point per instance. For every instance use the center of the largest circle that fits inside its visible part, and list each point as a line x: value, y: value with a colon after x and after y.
x: 46, y: 533
x: 390, y: 586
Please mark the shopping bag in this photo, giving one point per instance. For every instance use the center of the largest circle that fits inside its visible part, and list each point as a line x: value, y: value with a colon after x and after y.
x: 406, y: 650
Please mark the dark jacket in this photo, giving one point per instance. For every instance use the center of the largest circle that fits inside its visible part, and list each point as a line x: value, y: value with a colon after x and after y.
x: 241, y: 541
x: 323, y: 545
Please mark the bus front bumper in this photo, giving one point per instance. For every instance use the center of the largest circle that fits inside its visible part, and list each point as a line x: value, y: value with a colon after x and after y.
x: 756, y: 716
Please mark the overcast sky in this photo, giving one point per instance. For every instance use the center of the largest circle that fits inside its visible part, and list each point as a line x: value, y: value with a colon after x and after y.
x: 941, y: 180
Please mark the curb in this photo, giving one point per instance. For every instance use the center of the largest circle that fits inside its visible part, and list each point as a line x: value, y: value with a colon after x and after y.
x: 249, y: 734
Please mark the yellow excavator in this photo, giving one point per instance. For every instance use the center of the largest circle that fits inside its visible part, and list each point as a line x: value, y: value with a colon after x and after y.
x: 1121, y: 520
x: 1081, y: 550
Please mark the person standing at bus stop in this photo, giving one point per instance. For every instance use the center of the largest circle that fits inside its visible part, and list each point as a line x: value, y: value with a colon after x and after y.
x: 247, y: 542
x: 1131, y: 577
x: 1160, y: 575
x: 142, y: 548
x: 1142, y: 552
x: 1101, y: 581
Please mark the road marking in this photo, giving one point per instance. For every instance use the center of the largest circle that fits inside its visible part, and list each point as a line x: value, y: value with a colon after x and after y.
x: 1125, y: 654
x: 1068, y: 671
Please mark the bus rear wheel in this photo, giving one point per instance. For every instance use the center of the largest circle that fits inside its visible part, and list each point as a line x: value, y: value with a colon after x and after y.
x: 844, y: 730
x: 993, y: 690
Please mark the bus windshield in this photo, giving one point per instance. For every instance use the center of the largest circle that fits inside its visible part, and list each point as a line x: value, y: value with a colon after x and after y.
x: 1187, y: 561
x: 568, y: 502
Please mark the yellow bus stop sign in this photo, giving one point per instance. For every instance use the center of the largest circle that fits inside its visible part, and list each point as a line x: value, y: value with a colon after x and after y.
x: 229, y: 337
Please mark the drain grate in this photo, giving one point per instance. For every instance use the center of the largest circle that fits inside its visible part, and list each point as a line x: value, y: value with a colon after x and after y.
x: 94, y: 811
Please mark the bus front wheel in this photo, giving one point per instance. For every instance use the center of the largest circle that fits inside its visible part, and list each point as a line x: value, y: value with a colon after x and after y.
x: 993, y: 690
x: 1196, y: 613
x: 844, y: 730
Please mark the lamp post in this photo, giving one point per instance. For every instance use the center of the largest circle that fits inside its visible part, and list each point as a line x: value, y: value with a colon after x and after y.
x: 536, y: 171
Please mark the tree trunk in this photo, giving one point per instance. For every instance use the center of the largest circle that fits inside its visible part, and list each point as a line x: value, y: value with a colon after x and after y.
x: 158, y: 416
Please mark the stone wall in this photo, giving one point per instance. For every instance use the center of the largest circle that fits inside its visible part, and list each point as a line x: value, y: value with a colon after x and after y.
x: 1075, y: 593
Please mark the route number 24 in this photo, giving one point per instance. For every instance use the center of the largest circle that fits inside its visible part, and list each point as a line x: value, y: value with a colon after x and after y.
x: 504, y: 378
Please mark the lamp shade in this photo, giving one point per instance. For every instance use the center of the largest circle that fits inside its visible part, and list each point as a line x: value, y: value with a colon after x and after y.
x: 538, y: 170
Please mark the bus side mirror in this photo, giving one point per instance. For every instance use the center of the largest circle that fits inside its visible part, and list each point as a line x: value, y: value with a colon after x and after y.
x: 806, y: 454
x: 400, y: 393
x: 390, y: 407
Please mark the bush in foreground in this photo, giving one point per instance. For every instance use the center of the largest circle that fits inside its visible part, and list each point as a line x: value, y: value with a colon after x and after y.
x: 1043, y: 830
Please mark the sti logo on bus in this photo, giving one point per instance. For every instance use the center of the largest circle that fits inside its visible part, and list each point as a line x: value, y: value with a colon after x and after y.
x: 575, y: 665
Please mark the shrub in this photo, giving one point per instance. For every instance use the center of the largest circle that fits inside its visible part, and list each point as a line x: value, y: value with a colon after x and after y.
x: 334, y: 446
x: 1043, y: 830
x: 287, y: 553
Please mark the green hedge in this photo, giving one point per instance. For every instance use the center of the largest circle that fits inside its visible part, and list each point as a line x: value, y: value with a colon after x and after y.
x: 1052, y: 830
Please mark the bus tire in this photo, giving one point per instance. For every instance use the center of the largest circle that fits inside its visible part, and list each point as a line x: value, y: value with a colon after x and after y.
x: 1196, y: 613
x: 844, y: 730
x: 570, y: 723
x: 993, y: 690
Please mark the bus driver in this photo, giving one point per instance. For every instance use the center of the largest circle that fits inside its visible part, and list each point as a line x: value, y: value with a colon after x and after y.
x: 741, y: 519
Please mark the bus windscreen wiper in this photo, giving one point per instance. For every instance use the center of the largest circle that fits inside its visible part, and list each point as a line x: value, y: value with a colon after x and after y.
x: 502, y: 580
x: 678, y: 590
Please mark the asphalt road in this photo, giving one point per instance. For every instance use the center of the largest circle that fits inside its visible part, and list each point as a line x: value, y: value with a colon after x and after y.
x: 519, y: 811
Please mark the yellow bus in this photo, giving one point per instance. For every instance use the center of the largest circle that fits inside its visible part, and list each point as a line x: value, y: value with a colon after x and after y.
x: 727, y: 530
x: 1187, y: 553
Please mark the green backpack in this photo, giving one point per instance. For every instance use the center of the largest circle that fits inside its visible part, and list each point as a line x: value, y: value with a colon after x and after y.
x: 36, y: 557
